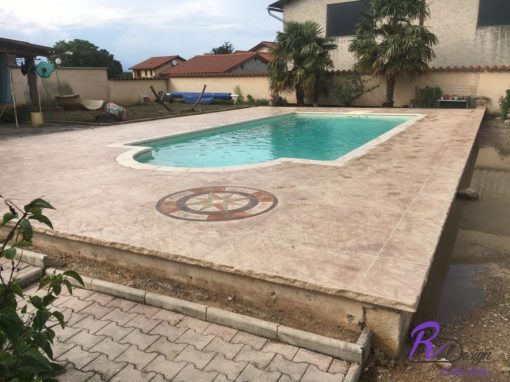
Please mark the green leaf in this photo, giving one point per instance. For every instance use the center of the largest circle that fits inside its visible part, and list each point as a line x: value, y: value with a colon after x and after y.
x: 60, y: 318
x: 36, y: 301
x: 9, y: 253
x: 7, y: 218
x: 48, y: 299
x: 44, y: 281
x: 33, y: 362
x: 74, y: 275
x: 40, y: 319
x: 38, y: 203
x: 26, y: 229
x: 43, y: 219
x: 67, y: 283
x: 16, y: 288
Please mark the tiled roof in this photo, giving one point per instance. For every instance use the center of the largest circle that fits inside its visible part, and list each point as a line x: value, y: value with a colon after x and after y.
x: 154, y: 62
x: 213, y: 64
x: 266, y: 44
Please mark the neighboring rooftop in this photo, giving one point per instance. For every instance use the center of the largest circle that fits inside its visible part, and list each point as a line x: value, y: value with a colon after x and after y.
x: 263, y: 45
x: 155, y: 62
x: 218, y: 64
x: 23, y: 48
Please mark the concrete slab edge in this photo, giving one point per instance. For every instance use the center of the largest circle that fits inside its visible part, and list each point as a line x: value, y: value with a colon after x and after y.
x: 347, y: 351
x: 32, y: 258
x: 29, y: 277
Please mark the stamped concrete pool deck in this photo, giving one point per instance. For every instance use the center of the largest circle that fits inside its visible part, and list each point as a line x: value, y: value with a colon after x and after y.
x: 366, y: 230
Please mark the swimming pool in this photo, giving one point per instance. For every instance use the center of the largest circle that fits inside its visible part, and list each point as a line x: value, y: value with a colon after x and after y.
x: 306, y: 136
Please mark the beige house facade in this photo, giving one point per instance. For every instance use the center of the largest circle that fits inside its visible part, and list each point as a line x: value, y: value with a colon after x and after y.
x: 470, y: 32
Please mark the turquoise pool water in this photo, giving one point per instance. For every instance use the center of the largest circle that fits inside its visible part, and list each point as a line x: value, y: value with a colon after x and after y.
x: 315, y: 136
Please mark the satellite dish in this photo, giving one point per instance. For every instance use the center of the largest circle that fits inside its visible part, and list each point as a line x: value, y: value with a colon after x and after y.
x: 44, y: 69
x: 174, y: 62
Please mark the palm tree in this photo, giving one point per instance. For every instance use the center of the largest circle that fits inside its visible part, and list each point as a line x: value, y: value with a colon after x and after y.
x: 301, y: 60
x: 389, y: 44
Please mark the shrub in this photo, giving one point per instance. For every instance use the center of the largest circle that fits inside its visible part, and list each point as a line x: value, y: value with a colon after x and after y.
x: 428, y: 96
x: 240, y: 96
x: 26, y: 335
x: 504, y: 103
x: 276, y: 100
x: 346, y: 89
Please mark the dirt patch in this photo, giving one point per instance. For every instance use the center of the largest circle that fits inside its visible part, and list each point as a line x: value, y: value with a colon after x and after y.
x: 231, y: 303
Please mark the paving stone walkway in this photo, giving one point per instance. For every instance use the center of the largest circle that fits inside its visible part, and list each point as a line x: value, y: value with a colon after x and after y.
x: 111, y: 339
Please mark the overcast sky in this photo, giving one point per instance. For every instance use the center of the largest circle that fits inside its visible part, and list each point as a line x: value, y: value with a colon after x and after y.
x: 135, y: 30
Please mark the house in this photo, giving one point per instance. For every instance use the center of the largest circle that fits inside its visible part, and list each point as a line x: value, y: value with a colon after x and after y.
x: 222, y: 65
x: 263, y: 47
x: 153, y: 66
x: 470, y: 32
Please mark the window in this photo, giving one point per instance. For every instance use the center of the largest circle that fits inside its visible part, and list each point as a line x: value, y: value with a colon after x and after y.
x: 342, y: 18
x: 494, y: 13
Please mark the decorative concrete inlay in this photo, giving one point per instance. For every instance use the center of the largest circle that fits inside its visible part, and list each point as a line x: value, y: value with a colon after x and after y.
x: 218, y: 203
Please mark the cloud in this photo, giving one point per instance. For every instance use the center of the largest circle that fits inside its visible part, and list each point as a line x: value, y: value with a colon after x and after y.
x: 133, y: 30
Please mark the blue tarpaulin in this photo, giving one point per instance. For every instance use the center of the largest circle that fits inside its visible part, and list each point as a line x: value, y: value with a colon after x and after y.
x: 5, y: 81
x: 192, y: 97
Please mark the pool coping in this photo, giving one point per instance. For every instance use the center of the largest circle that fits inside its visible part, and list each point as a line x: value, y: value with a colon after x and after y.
x: 127, y: 158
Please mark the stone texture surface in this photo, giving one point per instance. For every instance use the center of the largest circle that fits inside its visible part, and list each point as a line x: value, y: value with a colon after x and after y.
x: 108, y: 349
x: 361, y: 213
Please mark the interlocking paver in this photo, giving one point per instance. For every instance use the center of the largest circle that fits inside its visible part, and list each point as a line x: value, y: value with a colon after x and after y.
x: 80, y: 293
x: 60, y: 348
x: 169, y: 331
x: 143, y: 323
x: 284, y: 366
x: 129, y: 373
x: 78, y: 357
x: 339, y: 366
x: 255, y: 342
x: 72, y: 318
x: 222, y: 378
x: 115, y: 331
x: 120, y: 317
x: 75, y: 304
x: 91, y: 324
x: 97, y: 310
x: 313, y: 374
x: 105, y: 366
x: 225, y: 366
x: 122, y: 304
x: 139, y: 339
x: 117, y: 340
x: 136, y: 357
x: 226, y: 348
x: 73, y: 375
x: 110, y: 348
x: 220, y: 331
x: 192, y: 323
x: 196, y: 339
x: 146, y: 310
x: 165, y: 315
x: 168, y: 369
x: 320, y: 360
x: 288, y: 351
x: 85, y: 339
x: 159, y: 378
x: 169, y: 349
x: 257, y: 358
x: 100, y: 298
x: 189, y: 373
x: 66, y: 333
x: 196, y: 357
x: 252, y: 374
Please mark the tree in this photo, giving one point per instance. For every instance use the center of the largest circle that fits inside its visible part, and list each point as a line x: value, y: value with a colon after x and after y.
x: 301, y: 60
x: 226, y: 48
x: 86, y: 54
x: 389, y: 44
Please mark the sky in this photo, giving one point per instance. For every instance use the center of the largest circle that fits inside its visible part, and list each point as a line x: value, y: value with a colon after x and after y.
x: 135, y: 30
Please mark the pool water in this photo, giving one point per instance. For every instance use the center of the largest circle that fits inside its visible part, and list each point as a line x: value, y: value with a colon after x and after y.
x: 314, y: 136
